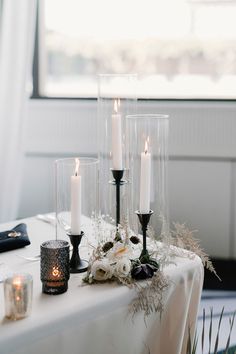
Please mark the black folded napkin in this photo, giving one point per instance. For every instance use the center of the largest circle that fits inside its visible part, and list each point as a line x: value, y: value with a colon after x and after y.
x: 14, y: 238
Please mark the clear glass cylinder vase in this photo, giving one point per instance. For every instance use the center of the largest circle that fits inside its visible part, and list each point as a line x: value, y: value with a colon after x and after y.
x: 117, y: 98
x: 147, y: 157
x: 76, y: 197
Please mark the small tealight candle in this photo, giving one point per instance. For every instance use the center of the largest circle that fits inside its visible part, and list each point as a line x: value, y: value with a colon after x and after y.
x: 55, y: 271
x: 18, y: 291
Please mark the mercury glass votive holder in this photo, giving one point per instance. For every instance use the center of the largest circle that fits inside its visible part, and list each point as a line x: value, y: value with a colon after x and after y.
x: 55, y: 266
x: 18, y: 291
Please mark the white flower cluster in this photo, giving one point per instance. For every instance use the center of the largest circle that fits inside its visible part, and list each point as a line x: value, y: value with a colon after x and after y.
x: 116, y: 263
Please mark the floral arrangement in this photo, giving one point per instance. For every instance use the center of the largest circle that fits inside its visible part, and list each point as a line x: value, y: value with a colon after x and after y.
x: 119, y: 259
x: 116, y: 259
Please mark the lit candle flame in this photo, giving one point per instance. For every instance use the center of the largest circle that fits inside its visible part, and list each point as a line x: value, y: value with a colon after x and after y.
x: 116, y: 105
x: 17, y: 282
x: 55, y: 272
x: 77, y: 167
x: 146, y: 145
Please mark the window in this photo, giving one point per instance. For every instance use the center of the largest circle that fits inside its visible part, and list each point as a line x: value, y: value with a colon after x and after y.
x: 180, y: 48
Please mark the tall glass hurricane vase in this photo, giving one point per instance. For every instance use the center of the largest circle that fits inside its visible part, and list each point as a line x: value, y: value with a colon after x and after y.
x: 116, y: 99
x: 147, y: 156
x: 76, y: 189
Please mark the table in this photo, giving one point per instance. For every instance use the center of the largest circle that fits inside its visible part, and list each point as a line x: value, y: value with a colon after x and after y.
x: 93, y: 319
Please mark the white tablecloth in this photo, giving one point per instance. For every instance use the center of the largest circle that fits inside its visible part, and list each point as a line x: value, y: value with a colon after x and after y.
x: 93, y: 319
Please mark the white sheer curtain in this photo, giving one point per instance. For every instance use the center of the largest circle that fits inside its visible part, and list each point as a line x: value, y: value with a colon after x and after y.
x: 16, y: 53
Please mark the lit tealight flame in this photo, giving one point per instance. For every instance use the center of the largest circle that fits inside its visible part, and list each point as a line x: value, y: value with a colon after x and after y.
x: 17, y: 282
x: 55, y: 272
x: 116, y: 105
x: 146, y: 145
x: 77, y: 167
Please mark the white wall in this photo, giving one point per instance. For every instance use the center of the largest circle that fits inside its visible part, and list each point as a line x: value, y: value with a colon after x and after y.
x: 202, y: 169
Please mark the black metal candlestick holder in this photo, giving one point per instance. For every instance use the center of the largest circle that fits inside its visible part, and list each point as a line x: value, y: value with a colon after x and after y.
x: 144, y: 267
x: 118, y: 181
x: 144, y: 221
x: 77, y: 265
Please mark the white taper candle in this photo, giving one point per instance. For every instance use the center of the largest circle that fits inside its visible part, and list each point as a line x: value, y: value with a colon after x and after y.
x: 76, y: 201
x: 145, y: 181
x: 116, y: 138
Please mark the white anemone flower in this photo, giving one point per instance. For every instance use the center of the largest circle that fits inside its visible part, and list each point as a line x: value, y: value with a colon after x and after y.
x: 101, y: 270
x: 122, y: 268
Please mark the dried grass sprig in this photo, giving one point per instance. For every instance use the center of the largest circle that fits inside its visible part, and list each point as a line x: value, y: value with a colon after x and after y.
x: 182, y: 237
x: 150, y: 296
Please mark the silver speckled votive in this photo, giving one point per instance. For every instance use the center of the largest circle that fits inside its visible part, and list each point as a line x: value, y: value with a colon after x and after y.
x: 18, y: 291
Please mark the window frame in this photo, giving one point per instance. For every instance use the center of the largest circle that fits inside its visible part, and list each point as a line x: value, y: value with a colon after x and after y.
x: 36, y: 94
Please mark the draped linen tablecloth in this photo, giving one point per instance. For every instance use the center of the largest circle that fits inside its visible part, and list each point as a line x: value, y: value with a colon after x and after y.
x: 94, y: 319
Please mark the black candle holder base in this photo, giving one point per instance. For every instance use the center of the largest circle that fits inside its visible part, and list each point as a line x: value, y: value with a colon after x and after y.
x: 79, y: 268
x: 77, y: 265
